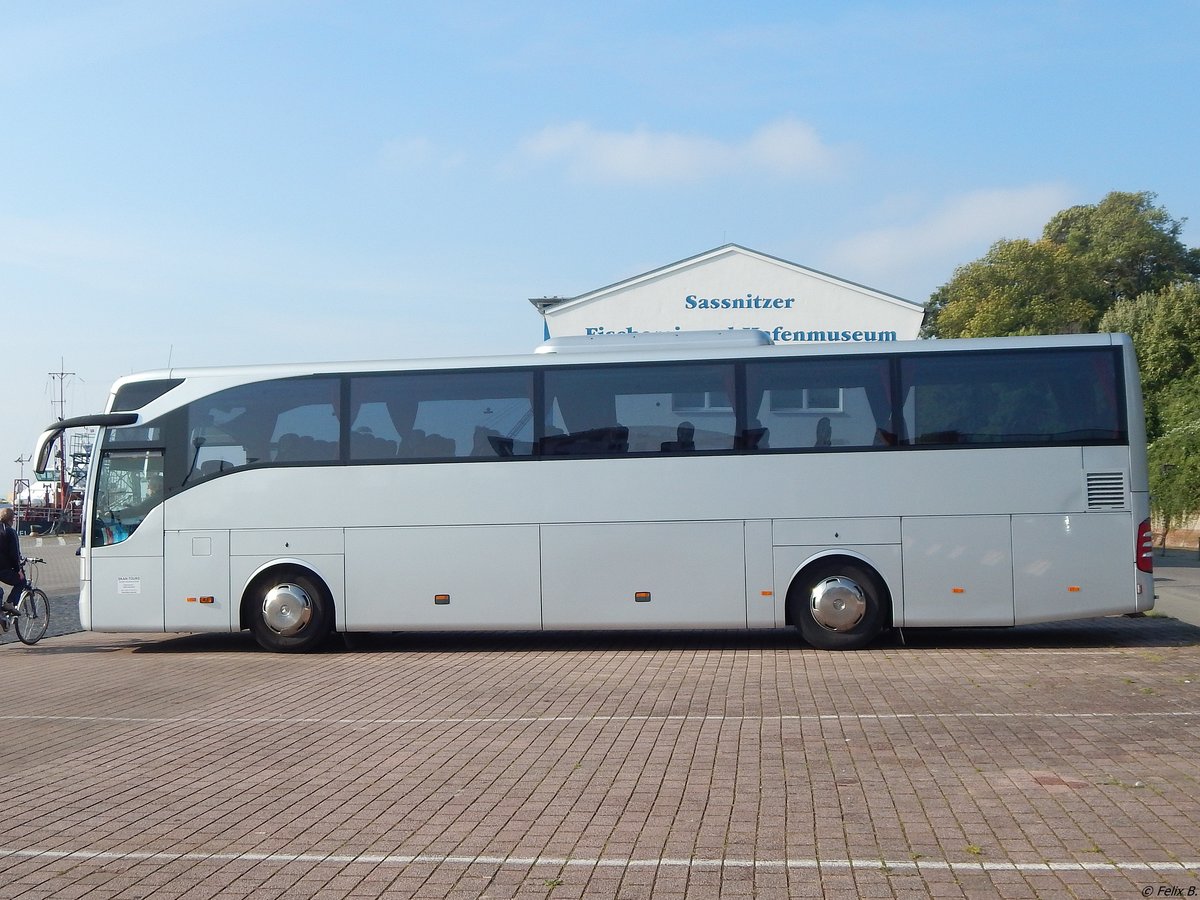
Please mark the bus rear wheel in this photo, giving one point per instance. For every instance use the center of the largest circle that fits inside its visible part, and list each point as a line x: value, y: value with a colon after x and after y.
x: 290, y: 612
x: 838, y: 606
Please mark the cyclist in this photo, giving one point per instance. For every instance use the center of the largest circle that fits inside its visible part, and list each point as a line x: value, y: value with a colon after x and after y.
x: 10, y: 561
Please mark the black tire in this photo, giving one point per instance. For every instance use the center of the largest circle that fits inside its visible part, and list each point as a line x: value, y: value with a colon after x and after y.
x: 855, y: 580
x: 290, y: 612
x: 35, y: 616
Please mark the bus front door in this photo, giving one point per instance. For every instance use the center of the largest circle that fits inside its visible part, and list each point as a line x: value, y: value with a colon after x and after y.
x: 126, y: 580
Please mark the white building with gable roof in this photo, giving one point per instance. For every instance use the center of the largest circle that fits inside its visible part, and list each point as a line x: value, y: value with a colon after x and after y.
x: 733, y: 287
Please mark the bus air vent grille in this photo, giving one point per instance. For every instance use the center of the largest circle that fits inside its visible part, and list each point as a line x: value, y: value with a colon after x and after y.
x: 1106, y: 490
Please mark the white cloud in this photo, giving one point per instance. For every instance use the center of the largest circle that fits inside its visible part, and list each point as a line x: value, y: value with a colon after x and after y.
x: 786, y: 148
x: 789, y: 147
x: 925, y: 250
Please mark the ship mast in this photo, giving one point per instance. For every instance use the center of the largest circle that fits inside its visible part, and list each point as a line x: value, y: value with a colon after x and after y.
x: 61, y: 377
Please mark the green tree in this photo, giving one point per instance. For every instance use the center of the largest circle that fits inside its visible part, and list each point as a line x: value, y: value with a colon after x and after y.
x: 1126, y: 243
x: 1174, y: 457
x: 1089, y: 257
x: 1019, y: 287
x: 1165, y: 327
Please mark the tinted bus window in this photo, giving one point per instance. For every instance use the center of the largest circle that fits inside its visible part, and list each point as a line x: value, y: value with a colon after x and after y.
x: 291, y: 420
x: 819, y: 404
x: 129, y: 484
x: 139, y: 393
x: 441, y: 415
x: 639, y: 409
x: 1020, y: 397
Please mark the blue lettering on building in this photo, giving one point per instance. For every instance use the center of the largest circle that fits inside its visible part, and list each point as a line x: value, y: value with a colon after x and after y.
x: 782, y: 335
x: 750, y: 301
x: 785, y: 336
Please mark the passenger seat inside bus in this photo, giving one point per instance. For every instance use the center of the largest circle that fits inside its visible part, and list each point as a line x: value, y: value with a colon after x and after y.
x: 213, y: 466
x: 304, y: 448
x: 419, y: 445
x: 753, y: 439
x: 824, y: 433
x: 685, y: 439
x: 610, y: 441
x: 365, y: 445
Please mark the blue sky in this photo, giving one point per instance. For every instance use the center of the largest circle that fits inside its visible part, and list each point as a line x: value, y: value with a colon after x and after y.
x: 234, y: 181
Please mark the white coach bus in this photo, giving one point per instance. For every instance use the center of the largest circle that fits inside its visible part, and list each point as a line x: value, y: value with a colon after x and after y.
x: 691, y: 480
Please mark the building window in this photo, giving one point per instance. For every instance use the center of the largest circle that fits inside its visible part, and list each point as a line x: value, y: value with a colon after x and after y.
x: 807, y: 400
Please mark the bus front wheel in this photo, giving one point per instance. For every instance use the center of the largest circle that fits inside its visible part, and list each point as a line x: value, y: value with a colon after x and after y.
x: 289, y: 612
x: 838, y: 606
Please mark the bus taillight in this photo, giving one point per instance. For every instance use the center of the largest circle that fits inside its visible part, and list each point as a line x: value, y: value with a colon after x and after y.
x: 1145, y: 547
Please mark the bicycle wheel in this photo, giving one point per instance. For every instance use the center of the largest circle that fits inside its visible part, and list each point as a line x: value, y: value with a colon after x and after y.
x: 35, y: 616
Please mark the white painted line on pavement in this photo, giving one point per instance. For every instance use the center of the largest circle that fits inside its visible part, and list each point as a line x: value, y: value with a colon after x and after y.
x: 524, y: 720
x: 596, y: 862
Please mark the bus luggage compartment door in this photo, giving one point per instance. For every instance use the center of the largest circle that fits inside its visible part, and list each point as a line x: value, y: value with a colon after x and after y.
x: 445, y: 577
x: 1060, y: 573
x: 957, y: 570
x: 644, y: 575
x: 197, y: 581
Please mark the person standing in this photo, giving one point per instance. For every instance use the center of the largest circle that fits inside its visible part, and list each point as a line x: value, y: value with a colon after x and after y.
x: 10, y: 562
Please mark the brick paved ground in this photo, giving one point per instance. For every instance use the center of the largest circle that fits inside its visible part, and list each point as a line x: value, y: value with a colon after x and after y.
x: 1044, y: 761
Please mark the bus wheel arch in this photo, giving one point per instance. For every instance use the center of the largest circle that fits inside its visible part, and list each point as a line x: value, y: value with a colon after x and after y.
x: 288, y: 608
x: 839, y: 602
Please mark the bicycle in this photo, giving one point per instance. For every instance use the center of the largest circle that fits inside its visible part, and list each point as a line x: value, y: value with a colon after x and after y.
x: 32, y: 617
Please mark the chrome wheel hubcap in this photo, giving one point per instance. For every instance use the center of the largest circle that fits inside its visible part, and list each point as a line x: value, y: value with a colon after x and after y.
x: 287, y: 608
x: 838, y: 603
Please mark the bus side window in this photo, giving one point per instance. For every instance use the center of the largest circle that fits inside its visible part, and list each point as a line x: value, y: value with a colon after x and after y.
x: 1011, y: 397
x: 817, y: 404
x: 632, y: 408
x: 441, y: 415
x: 285, y: 420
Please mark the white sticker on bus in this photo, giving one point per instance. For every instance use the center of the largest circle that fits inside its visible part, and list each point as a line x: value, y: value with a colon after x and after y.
x: 129, y: 584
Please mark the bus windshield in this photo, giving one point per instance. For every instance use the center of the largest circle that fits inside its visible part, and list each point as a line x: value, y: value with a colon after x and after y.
x: 128, y: 485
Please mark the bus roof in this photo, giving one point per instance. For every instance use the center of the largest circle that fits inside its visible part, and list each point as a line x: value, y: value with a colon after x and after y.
x: 626, y: 347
